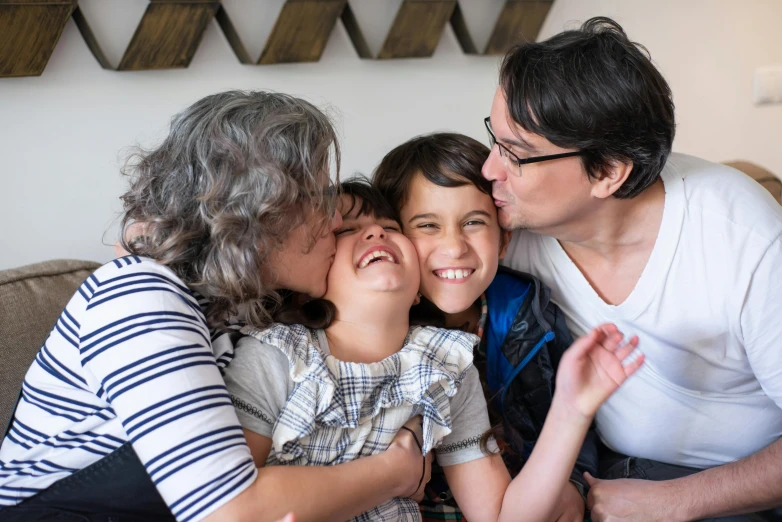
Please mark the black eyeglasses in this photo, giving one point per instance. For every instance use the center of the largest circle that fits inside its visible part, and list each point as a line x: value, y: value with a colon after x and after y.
x: 512, y: 162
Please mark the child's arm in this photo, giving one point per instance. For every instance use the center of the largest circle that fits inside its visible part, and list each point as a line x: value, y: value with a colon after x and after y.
x: 590, y: 371
x: 479, y: 487
x: 260, y: 447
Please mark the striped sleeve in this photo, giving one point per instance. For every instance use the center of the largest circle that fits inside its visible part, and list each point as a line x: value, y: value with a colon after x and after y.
x: 145, y: 349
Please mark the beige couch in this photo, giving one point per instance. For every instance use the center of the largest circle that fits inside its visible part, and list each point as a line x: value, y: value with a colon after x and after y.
x: 31, y: 300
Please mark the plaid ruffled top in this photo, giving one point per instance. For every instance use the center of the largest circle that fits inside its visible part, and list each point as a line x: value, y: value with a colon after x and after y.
x: 339, y: 411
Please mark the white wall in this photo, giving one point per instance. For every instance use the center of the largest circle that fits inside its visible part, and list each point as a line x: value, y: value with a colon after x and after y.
x: 62, y: 134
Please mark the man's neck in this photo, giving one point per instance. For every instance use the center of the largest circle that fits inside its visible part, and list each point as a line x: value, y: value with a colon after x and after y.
x: 614, y: 244
x: 368, y: 334
x: 619, y: 224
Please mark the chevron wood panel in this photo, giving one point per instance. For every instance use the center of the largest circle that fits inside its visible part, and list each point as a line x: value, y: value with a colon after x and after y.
x: 168, y: 35
x: 459, y: 26
x: 519, y: 21
x: 301, y: 31
x: 417, y: 28
x: 354, y: 32
x: 30, y: 31
x: 171, y: 30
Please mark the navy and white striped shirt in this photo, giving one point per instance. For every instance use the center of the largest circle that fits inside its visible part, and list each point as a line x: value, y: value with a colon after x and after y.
x: 130, y: 359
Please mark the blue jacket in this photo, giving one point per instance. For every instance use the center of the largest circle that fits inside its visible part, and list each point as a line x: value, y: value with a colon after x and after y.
x: 525, y: 337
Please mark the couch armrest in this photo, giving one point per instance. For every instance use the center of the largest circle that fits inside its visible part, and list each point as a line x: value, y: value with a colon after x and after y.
x: 31, y: 299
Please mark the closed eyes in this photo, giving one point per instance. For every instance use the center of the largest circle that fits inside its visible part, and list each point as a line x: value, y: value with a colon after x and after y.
x: 343, y: 231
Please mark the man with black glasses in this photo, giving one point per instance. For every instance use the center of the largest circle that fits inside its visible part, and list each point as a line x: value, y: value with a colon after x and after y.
x: 684, y: 253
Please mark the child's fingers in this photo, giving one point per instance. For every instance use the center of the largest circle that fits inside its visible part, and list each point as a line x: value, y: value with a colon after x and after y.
x: 627, y: 348
x: 584, y: 343
x: 612, y: 341
x: 633, y: 362
x: 607, y: 329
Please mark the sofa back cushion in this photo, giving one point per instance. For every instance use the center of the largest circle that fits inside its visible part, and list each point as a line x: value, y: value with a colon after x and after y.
x: 766, y: 179
x: 31, y: 300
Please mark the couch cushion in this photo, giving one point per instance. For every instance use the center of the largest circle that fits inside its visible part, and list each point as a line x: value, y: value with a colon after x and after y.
x: 31, y: 299
x: 766, y: 179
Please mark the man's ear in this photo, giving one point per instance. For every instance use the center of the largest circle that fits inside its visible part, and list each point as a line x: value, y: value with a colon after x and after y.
x: 504, y: 242
x: 611, y: 178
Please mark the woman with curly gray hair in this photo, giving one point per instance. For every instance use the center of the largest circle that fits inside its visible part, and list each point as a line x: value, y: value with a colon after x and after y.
x: 124, y: 413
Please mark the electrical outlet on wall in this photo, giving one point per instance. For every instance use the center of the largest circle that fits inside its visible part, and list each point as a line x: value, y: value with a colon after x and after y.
x: 768, y: 85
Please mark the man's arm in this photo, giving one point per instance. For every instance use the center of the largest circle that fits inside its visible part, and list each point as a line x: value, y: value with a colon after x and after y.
x: 755, y: 482
x: 746, y: 486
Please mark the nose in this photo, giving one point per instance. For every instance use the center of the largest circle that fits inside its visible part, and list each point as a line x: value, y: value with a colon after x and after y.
x: 493, y: 169
x: 374, y: 231
x: 454, y: 246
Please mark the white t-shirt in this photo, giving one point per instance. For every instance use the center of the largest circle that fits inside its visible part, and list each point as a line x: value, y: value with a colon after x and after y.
x: 707, y: 312
x: 130, y: 359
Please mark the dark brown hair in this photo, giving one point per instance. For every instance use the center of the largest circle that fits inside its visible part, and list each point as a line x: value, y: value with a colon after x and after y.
x: 594, y: 90
x: 445, y: 159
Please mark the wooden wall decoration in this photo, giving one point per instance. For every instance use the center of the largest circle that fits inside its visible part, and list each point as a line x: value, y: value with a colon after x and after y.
x: 519, y: 20
x: 417, y: 28
x: 300, y: 32
x: 166, y: 38
x: 29, y: 31
x: 171, y: 30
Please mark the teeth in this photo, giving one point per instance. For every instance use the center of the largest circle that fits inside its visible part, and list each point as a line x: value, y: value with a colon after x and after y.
x: 454, y: 274
x: 374, y: 255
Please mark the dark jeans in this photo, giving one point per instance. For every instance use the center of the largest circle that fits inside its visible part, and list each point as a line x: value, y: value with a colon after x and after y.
x: 117, y: 488
x: 613, y: 465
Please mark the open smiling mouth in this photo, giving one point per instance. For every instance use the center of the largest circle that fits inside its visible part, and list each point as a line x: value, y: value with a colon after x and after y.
x: 377, y: 256
x: 450, y: 273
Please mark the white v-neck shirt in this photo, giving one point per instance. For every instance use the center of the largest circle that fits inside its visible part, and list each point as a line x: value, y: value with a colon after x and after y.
x: 708, y: 312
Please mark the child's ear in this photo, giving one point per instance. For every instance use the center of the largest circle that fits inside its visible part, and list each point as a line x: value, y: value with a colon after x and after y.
x: 504, y: 241
x: 417, y: 299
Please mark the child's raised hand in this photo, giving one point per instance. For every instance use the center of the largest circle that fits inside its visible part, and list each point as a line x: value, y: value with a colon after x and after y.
x: 594, y: 367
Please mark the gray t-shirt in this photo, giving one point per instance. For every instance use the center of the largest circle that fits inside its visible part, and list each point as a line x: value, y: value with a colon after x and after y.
x: 259, y: 382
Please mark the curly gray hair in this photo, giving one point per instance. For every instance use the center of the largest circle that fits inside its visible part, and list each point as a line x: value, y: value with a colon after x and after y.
x: 238, y: 172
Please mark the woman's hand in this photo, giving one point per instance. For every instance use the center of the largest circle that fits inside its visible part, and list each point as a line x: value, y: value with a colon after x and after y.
x: 594, y: 367
x: 404, y: 455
